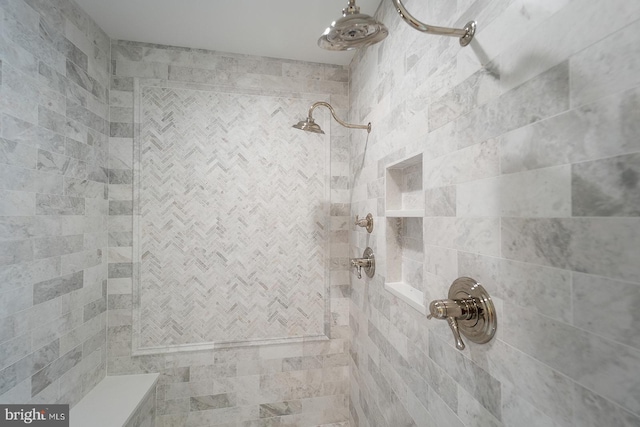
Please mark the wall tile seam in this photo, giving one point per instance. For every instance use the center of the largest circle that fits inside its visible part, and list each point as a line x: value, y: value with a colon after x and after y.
x: 378, y: 397
x: 87, y: 71
x: 35, y: 34
x: 91, y: 109
x: 466, y: 109
x: 613, y: 404
x: 558, y: 165
x: 458, y: 86
x: 215, y: 53
x: 232, y: 89
x: 540, y: 122
x: 501, y: 94
x: 63, y: 13
x: 572, y: 380
x: 630, y: 220
x: 547, y: 267
x: 170, y: 359
x: 170, y: 75
x: 590, y: 332
x: 590, y: 101
x: 595, y: 160
x: 34, y: 125
x: 60, y: 356
x: 445, y: 338
x: 614, y: 34
x: 107, y: 256
x: 454, y: 411
x: 90, y: 58
x: 69, y: 58
x: 308, y: 84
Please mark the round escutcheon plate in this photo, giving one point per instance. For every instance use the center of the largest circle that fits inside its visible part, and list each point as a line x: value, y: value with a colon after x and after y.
x: 482, y: 328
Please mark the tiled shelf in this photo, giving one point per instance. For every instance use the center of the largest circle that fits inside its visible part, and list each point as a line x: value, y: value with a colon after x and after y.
x: 408, y: 294
x: 404, y: 200
x: 403, y: 185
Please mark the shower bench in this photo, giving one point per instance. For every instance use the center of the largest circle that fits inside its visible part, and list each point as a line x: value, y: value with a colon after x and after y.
x: 118, y: 401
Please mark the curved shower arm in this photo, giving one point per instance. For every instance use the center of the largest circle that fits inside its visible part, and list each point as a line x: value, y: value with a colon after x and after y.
x: 466, y: 34
x: 333, y: 113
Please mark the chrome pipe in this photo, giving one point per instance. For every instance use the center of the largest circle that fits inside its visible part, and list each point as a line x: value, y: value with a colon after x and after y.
x: 333, y: 113
x: 466, y: 34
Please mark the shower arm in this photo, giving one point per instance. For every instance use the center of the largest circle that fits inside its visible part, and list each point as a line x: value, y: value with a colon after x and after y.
x: 466, y: 34
x: 333, y: 113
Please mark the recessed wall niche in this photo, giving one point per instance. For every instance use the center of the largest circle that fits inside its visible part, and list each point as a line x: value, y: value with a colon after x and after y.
x: 404, y: 199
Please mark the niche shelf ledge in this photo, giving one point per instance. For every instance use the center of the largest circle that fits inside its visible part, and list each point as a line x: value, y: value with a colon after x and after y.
x: 408, y: 294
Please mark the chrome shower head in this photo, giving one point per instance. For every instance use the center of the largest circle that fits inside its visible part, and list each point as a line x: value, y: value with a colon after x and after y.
x: 310, y: 125
x: 352, y: 31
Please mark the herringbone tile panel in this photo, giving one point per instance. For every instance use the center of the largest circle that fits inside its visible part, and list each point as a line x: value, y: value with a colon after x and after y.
x: 233, y: 209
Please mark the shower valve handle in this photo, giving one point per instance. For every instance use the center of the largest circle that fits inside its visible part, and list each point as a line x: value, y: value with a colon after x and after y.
x: 468, y: 311
x: 367, y: 262
x: 360, y: 263
x: 452, y: 310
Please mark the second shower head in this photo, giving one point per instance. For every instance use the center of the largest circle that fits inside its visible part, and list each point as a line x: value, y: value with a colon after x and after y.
x: 309, y: 125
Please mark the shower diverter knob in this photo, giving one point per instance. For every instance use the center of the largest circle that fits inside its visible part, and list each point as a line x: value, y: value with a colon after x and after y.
x: 469, y: 310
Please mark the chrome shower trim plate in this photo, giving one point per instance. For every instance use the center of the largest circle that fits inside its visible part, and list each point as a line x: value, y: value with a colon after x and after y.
x: 482, y: 327
x: 468, y: 311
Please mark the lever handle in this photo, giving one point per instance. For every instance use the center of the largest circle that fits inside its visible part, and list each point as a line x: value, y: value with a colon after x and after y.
x: 453, y: 324
x: 451, y: 310
x: 358, y: 266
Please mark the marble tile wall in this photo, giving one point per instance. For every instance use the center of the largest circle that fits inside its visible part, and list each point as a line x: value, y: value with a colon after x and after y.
x: 531, y: 144
x: 54, y: 92
x: 304, y: 383
x: 232, y: 220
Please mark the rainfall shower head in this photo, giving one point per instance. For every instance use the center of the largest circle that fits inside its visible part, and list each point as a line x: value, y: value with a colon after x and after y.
x: 352, y: 31
x: 310, y: 125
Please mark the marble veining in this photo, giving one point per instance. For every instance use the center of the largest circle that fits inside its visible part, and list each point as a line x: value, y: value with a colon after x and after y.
x: 529, y: 147
x: 608, y: 187
x: 53, y: 79
x: 223, y: 181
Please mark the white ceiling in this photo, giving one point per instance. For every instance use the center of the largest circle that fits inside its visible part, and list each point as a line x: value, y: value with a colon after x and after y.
x: 273, y: 28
